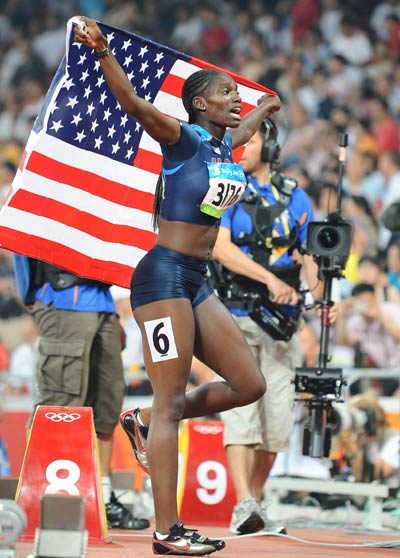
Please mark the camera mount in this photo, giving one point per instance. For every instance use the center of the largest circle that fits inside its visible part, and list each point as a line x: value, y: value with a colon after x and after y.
x: 329, y: 242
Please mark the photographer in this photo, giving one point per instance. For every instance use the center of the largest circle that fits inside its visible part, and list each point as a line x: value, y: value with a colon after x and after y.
x: 259, y: 281
x: 361, y: 433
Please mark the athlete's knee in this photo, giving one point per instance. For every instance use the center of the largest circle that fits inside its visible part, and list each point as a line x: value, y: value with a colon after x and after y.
x: 171, y: 409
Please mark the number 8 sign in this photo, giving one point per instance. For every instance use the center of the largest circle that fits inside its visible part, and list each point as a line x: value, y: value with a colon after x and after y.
x: 205, y: 488
x: 61, y: 458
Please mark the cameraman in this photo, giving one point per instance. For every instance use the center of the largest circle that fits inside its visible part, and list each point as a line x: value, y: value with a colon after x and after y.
x: 258, y: 247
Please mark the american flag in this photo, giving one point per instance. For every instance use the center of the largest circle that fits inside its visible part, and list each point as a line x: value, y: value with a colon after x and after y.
x: 82, y: 196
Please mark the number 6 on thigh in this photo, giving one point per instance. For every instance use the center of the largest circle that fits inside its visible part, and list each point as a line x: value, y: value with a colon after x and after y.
x: 161, y: 340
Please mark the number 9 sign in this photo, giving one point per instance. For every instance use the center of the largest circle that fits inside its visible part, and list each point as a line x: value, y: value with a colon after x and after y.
x: 205, y: 485
x: 212, y: 480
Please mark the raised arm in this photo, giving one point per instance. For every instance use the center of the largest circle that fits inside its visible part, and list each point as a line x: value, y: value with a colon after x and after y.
x: 163, y: 129
x: 250, y: 123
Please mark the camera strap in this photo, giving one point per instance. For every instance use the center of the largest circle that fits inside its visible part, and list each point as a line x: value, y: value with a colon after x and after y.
x: 59, y: 278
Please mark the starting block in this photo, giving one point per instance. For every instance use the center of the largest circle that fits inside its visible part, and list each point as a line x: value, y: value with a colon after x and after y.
x: 205, y: 489
x: 61, y: 531
x: 61, y: 457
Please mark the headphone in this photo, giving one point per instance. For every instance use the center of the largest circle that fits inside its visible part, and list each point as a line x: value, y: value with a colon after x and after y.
x: 270, y: 150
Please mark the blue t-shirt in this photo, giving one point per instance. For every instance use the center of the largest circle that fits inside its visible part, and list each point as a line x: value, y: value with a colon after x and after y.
x: 81, y: 298
x: 298, y: 212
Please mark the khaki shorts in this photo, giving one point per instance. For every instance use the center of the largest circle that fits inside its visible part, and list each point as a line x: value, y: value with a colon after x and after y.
x: 80, y: 363
x: 268, y: 422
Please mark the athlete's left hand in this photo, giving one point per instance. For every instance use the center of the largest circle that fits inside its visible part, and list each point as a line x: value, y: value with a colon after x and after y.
x: 273, y: 101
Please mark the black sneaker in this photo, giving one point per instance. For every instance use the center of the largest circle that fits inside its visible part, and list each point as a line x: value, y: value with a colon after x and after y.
x: 186, y: 542
x: 119, y: 517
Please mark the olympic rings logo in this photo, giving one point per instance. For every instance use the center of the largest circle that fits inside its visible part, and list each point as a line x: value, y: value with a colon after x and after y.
x: 62, y: 417
x: 212, y: 429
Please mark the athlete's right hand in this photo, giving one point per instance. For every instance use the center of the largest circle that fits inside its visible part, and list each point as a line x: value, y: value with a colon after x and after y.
x: 281, y: 292
x: 89, y: 33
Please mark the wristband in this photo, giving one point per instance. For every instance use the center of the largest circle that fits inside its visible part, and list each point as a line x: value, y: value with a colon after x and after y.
x: 102, y: 53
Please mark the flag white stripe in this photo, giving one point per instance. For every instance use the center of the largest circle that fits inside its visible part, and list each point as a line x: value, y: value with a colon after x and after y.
x: 171, y: 105
x: 132, y: 177
x: 85, y: 201
x: 77, y: 240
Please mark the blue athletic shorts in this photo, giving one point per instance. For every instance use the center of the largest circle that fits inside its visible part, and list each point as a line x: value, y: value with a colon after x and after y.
x: 163, y: 273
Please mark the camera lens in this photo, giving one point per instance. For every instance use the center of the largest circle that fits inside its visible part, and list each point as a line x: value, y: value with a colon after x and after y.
x: 328, y: 237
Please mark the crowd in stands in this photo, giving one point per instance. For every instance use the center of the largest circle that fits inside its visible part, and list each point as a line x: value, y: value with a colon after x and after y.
x: 336, y: 67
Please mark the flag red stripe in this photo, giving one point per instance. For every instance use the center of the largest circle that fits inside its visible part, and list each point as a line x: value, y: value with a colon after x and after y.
x: 173, y: 85
x: 236, y: 77
x: 89, y: 182
x: 148, y: 161
x: 81, y: 220
x: 58, y: 254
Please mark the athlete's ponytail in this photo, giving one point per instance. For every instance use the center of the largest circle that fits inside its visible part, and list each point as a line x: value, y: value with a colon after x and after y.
x: 158, y: 196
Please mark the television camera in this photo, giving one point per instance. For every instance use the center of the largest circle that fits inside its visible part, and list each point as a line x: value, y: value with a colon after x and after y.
x: 329, y: 242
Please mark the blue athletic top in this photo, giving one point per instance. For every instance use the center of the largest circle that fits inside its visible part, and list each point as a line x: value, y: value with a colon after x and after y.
x: 194, y: 191
x: 298, y: 212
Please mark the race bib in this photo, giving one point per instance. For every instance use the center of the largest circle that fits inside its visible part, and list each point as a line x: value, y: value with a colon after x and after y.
x: 227, y: 184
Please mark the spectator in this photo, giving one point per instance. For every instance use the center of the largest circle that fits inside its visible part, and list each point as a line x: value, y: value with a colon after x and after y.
x: 384, y: 126
x: 352, y: 42
x: 340, y: 81
x: 389, y: 165
x: 365, y: 234
x: 393, y: 31
x: 359, y: 179
x: 187, y: 28
x: 363, y: 139
x: 370, y: 271
x: 373, y: 325
x: 393, y: 265
x: 303, y: 14
x: 379, y: 16
x: 50, y: 43
x: 4, y: 357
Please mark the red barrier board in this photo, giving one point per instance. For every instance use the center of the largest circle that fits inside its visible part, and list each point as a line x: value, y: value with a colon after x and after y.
x: 205, y: 492
x: 61, y: 458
